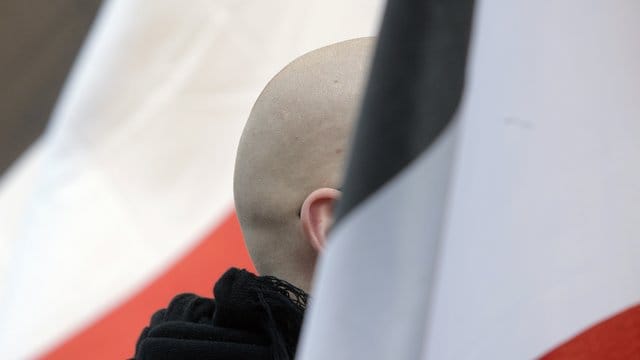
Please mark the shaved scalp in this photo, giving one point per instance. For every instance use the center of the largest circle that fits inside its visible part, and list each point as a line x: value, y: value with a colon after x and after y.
x: 293, y: 143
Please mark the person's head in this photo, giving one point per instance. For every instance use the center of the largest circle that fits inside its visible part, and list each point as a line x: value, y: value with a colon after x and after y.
x: 291, y: 155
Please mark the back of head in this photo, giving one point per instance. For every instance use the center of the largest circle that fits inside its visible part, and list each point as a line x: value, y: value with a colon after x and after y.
x: 294, y: 142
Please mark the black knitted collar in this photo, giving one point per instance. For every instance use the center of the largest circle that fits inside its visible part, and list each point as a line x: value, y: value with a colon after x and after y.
x: 261, y: 302
x: 252, y: 317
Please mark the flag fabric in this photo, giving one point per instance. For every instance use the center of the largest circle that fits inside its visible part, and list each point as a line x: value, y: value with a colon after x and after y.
x: 490, y: 205
x: 126, y: 199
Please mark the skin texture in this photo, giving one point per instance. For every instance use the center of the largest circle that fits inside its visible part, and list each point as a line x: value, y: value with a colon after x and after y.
x: 291, y: 157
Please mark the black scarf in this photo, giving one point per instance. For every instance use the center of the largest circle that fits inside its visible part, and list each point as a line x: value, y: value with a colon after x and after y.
x: 252, y: 317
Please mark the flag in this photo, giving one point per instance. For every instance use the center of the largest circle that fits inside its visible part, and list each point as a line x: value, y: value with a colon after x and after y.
x: 125, y: 200
x: 490, y: 205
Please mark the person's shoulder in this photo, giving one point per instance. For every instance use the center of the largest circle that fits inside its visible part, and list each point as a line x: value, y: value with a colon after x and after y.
x: 178, y: 318
x: 190, y: 327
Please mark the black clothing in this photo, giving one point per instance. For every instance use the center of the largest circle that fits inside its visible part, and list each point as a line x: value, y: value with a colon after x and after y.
x: 252, y: 317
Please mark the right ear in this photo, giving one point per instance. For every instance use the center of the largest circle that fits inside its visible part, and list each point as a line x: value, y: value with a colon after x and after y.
x: 316, y: 216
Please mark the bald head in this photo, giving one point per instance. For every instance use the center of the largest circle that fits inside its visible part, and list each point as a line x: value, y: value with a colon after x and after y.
x: 293, y: 145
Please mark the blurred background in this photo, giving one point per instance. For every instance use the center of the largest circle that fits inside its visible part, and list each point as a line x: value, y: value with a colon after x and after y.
x: 119, y: 121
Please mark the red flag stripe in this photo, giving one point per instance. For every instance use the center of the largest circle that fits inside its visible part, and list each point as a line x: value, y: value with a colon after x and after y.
x: 617, y: 338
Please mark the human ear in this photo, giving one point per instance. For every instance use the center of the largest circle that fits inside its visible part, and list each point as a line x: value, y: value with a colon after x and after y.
x: 316, y: 216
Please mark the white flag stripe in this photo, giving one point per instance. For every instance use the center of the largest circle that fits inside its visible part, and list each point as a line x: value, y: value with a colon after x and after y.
x: 139, y: 156
x: 15, y: 188
x: 374, y: 282
x: 542, y: 239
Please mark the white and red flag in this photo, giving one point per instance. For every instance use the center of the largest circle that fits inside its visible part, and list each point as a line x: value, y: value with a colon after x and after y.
x: 125, y: 200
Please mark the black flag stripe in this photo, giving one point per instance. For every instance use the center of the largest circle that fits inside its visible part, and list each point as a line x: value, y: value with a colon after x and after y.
x: 39, y: 41
x: 414, y: 89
